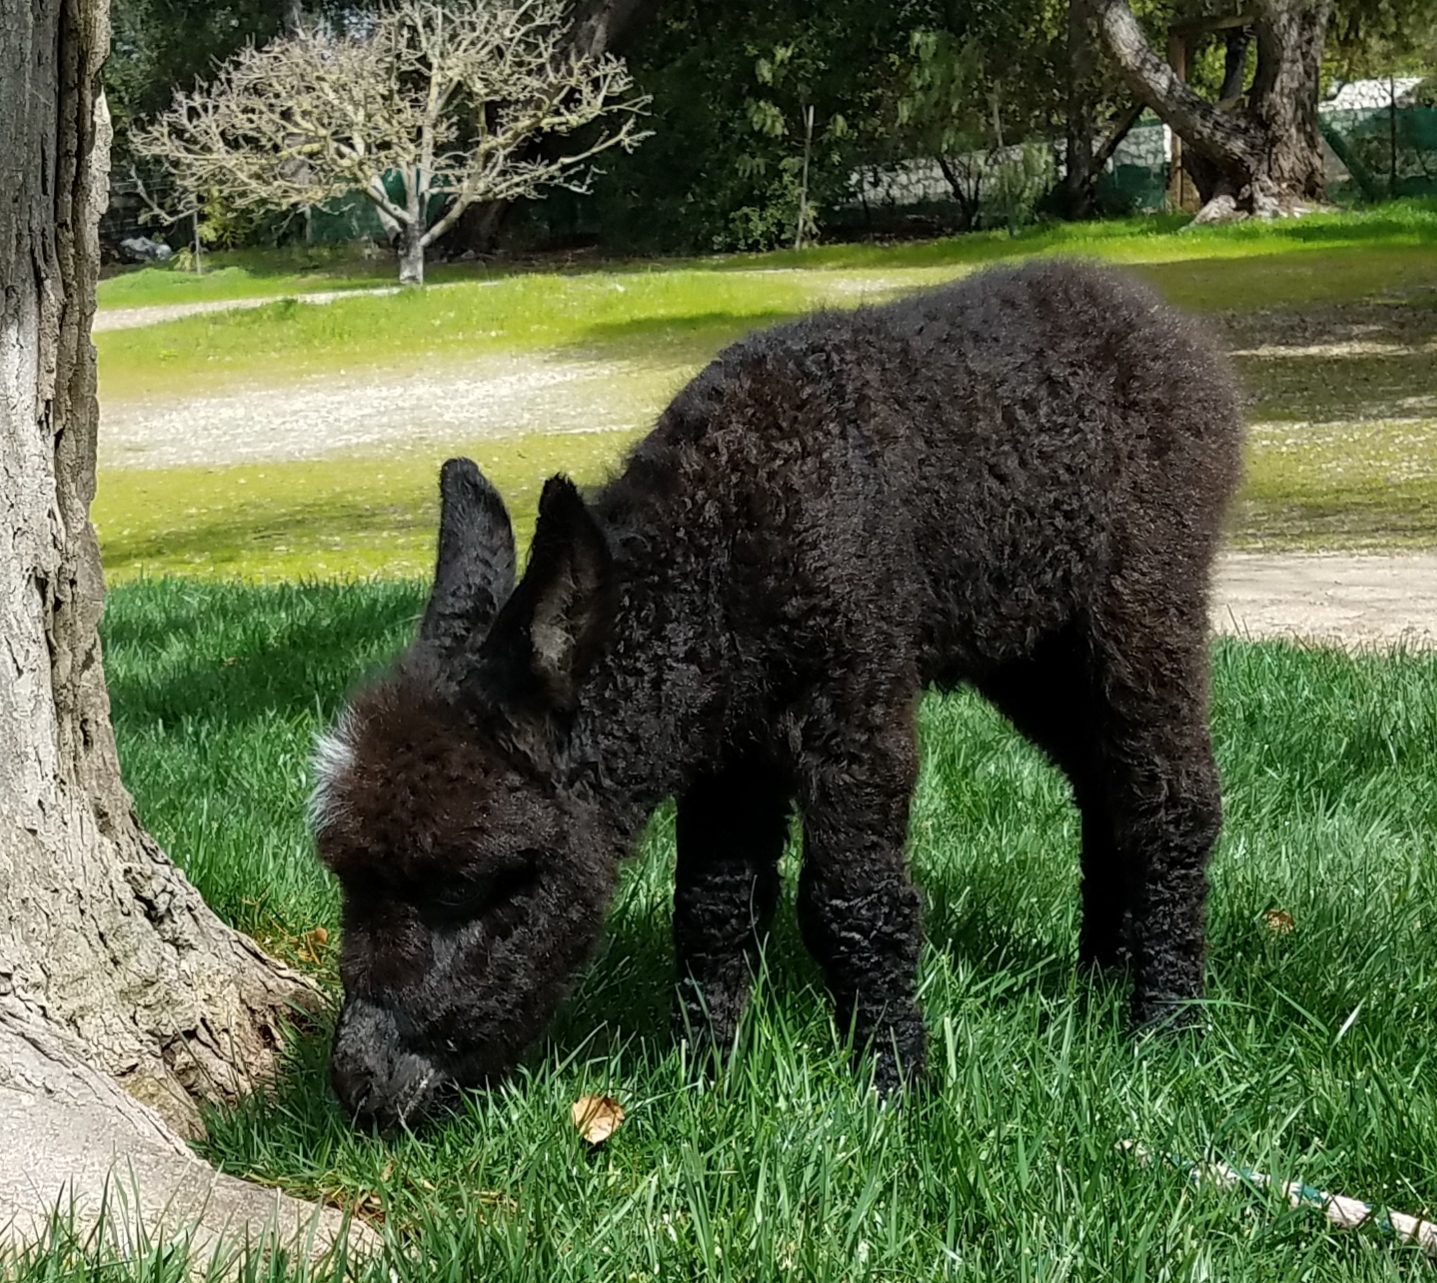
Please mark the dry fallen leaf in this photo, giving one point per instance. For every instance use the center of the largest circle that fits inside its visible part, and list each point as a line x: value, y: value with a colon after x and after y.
x: 311, y: 945
x: 365, y: 1204
x: 596, y: 1117
x: 1279, y: 921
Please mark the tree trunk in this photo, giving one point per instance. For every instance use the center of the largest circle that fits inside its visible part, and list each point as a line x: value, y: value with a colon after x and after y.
x: 599, y: 27
x: 109, y: 960
x: 1075, y: 196
x: 1290, y: 37
x: 605, y: 26
x: 1265, y: 158
x: 411, y: 252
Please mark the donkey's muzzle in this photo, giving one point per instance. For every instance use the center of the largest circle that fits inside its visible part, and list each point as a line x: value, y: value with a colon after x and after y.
x: 377, y: 1075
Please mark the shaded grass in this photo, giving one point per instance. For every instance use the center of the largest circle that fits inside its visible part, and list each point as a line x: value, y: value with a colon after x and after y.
x: 1308, y: 486
x: 1318, y: 1062
x: 1344, y: 485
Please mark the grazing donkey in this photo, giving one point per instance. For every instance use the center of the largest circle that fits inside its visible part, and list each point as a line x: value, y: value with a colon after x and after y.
x: 1016, y: 481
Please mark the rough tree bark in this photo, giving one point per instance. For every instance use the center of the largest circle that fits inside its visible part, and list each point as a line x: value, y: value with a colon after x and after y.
x: 1076, y: 194
x: 1265, y: 157
x: 606, y: 26
x: 112, y: 970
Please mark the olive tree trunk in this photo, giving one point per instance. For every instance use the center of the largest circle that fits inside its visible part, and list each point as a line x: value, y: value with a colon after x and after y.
x: 1264, y: 157
x: 113, y: 973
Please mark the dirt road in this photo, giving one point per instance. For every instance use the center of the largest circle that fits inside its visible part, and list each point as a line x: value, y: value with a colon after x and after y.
x: 1353, y: 601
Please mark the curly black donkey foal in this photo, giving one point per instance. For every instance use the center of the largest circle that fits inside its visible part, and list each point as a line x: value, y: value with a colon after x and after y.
x: 1016, y: 481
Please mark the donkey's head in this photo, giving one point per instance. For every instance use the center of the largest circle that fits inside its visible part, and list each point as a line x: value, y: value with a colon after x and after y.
x: 474, y: 879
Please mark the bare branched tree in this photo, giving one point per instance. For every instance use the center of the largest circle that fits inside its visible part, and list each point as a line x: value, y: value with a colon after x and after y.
x: 443, y: 98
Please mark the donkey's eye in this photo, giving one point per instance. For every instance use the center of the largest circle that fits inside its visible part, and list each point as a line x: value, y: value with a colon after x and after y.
x: 489, y: 890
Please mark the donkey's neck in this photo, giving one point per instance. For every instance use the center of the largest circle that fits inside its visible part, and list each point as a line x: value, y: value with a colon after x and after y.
x: 657, y: 706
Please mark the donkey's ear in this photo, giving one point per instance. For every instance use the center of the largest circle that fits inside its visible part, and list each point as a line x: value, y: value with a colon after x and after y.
x: 555, y: 623
x: 474, y: 568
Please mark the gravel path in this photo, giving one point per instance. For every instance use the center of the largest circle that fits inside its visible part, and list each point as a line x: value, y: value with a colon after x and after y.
x: 379, y: 412
x: 131, y: 318
x: 1353, y: 601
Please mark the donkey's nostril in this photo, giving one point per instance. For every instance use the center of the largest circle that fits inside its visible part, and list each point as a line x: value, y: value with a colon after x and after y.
x: 377, y: 1074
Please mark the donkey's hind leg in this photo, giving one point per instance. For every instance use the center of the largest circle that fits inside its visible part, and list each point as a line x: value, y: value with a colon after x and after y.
x: 1162, y: 792
x: 1053, y: 701
x: 1123, y: 711
x: 731, y: 829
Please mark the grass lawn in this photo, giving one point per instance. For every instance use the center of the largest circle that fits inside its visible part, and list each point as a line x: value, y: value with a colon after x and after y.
x: 1318, y: 1062
x: 1316, y: 259
x: 1334, y: 319
x: 301, y: 269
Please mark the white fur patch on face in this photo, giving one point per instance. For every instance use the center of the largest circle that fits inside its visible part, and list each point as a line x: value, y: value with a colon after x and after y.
x: 333, y: 759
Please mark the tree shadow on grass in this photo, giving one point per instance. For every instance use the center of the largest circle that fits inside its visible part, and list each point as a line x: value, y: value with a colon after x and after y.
x: 1264, y: 282
x: 226, y: 654
x: 233, y: 535
x: 671, y: 340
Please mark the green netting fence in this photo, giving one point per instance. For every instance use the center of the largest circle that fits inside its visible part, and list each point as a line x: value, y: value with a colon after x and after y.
x: 1372, y: 154
x: 355, y: 217
x: 1381, y: 153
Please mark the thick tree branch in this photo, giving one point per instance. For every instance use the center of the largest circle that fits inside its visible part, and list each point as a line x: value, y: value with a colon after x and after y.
x: 604, y: 25
x: 1216, y: 134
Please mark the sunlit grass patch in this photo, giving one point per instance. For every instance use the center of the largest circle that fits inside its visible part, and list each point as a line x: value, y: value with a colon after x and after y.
x: 287, y: 339
x: 1359, y: 485
x: 1317, y: 1063
x: 246, y: 273
x: 321, y: 518
x: 255, y: 273
x: 1291, y: 264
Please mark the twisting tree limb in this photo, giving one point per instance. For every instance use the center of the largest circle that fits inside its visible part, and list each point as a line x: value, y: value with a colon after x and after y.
x: 1265, y: 157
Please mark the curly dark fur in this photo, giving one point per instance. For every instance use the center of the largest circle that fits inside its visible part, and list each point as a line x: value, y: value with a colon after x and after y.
x: 1016, y: 481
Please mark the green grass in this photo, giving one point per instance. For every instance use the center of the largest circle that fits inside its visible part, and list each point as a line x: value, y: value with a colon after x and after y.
x: 1318, y: 1062
x: 1313, y: 259
x: 1360, y: 485
x: 286, y: 340
x: 258, y: 273
x: 1345, y: 427
x: 1309, y: 486
x: 237, y: 274
x: 319, y: 518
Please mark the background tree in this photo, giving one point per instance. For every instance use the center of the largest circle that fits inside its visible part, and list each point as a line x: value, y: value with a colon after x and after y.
x: 159, y: 45
x: 982, y: 79
x: 447, y: 99
x: 1382, y: 37
x: 124, y: 1001
x: 1264, y: 156
x: 731, y: 86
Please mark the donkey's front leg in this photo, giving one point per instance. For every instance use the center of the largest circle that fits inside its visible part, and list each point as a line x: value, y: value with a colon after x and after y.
x: 731, y: 829
x: 857, y: 909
